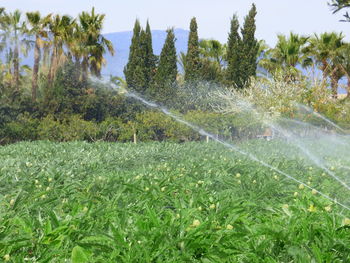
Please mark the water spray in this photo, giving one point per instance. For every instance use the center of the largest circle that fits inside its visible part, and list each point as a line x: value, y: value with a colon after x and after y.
x: 214, y: 138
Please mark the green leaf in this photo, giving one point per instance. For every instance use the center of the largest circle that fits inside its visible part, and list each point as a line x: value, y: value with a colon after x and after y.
x: 79, y: 255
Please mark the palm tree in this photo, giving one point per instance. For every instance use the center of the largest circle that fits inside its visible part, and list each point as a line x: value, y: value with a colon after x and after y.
x: 324, y: 51
x: 182, y: 60
x: 212, y: 49
x: 39, y: 28
x: 338, y: 5
x: 286, y: 56
x: 344, y: 65
x: 60, y: 29
x: 15, y: 28
x: 94, y: 44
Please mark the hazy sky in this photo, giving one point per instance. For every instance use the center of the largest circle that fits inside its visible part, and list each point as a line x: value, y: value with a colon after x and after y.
x: 213, y: 16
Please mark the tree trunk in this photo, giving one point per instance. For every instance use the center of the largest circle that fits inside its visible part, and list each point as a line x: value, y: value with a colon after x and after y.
x: 37, y: 56
x: 334, y: 86
x: 84, y: 65
x: 16, y: 67
x: 348, y: 89
x: 324, y: 70
x: 51, y: 68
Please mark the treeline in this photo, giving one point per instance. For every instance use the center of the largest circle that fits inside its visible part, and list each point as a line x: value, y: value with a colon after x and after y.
x: 56, y: 99
x: 206, y: 60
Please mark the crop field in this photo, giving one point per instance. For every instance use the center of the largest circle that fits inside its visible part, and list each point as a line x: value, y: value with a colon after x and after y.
x: 166, y: 202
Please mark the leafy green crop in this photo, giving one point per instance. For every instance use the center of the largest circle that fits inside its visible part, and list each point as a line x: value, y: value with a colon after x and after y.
x: 165, y: 202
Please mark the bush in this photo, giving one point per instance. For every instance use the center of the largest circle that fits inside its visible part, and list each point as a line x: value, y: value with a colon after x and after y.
x: 23, y: 128
x: 69, y: 128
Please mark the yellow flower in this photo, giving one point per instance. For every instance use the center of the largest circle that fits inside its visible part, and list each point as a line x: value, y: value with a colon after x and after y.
x: 199, y: 208
x: 212, y: 206
x: 295, y: 194
x: 238, y: 175
x: 12, y: 202
x: 229, y: 227
x: 239, y: 182
x: 314, y: 191
x: 85, y: 209
x: 312, y: 208
x: 200, y: 182
x: 146, y: 189
x: 346, y: 221
x: 195, y: 223
x: 301, y: 186
x: 332, y: 168
x: 50, y: 179
x: 7, y: 257
x: 36, y: 181
x: 276, y: 177
x: 162, y: 189
x: 310, y: 168
x: 48, y: 188
x: 254, y: 181
x: 328, y: 208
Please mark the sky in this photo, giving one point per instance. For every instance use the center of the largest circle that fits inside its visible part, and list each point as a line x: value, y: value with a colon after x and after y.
x: 213, y: 16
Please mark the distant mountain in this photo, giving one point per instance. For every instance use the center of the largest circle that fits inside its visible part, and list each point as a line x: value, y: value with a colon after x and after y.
x: 122, y: 40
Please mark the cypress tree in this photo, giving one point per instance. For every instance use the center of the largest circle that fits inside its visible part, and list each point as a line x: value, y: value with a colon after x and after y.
x: 250, y: 47
x: 192, y: 66
x: 131, y: 67
x: 141, y: 66
x: 233, y: 54
x: 150, y: 59
x: 163, y: 89
x: 140, y: 83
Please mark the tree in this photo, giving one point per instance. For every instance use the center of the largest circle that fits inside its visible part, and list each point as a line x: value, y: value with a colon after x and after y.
x: 133, y: 71
x: 150, y: 58
x: 324, y: 50
x: 286, y: 56
x: 212, y: 54
x: 15, y: 28
x: 344, y: 65
x: 94, y: 44
x: 163, y: 89
x: 192, y: 69
x: 232, y: 55
x: 249, y: 49
x: 338, y: 5
x: 38, y: 29
x: 60, y: 31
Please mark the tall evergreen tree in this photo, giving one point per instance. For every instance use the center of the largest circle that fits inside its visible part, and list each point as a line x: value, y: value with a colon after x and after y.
x: 139, y: 71
x: 132, y: 68
x: 163, y: 89
x: 150, y: 58
x: 233, y: 52
x: 250, y: 48
x: 192, y: 67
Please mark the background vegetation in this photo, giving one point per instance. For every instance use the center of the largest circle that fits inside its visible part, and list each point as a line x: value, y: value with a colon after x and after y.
x: 57, y: 98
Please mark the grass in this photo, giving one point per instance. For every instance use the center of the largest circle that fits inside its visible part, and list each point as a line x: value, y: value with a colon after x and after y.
x: 164, y: 202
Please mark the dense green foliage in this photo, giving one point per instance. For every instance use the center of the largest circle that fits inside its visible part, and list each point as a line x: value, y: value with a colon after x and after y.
x: 164, y: 89
x: 233, y: 57
x: 163, y: 202
x: 250, y: 48
x: 192, y: 69
x: 242, y: 51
